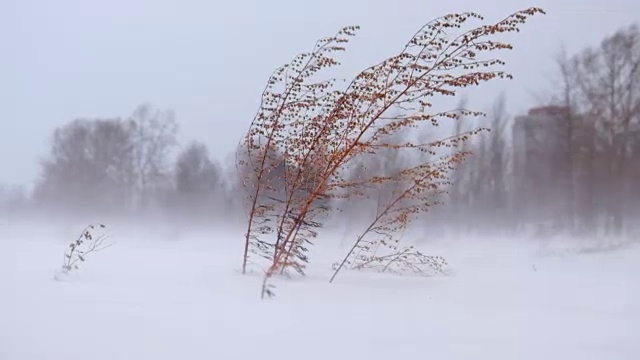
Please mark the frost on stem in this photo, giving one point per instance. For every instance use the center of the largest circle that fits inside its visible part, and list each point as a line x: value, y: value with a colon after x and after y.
x: 89, y: 241
x: 296, y: 158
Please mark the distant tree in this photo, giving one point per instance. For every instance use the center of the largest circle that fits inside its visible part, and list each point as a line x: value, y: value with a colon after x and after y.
x: 478, y: 195
x: 495, y: 174
x: 154, y: 137
x: 90, y: 166
x: 385, y: 163
x: 607, y: 91
x: 195, y: 173
x: 578, y: 175
x: 199, y: 183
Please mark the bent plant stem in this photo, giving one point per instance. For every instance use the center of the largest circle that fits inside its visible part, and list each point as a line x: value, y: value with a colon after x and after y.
x: 291, y: 246
x: 353, y: 248
x: 380, y: 216
x: 74, y: 255
x: 289, y: 89
x: 66, y: 260
x: 341, y: 157
x: 255, y: 196
x: 374, y: 259
x: 396, y: 257
x: 93, y: 248
x: 318, y: 188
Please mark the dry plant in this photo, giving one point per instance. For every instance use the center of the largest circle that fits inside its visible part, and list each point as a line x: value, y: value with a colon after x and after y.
x: 87, y: 242
x: 405, y: 261
x: 308, y: 132
x: 415, y: 191
x: 282, y: 141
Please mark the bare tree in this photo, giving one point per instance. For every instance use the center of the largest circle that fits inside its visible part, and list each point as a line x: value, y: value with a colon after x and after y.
x: 199, y: 183
x: 457, y: 192
x: 154, y: 137
x: 609, y: 81
x: 498, y: 163
x: 480, y: 186
x: 90, y: 166
x: 196, y: 173
x: 579, y: 175
x: 597, y: 105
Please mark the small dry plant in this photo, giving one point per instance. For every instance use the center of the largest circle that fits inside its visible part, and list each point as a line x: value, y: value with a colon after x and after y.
x: 408, y: 260
x: 90, y: 240
x: 297, y: 155
x: 412, y: 191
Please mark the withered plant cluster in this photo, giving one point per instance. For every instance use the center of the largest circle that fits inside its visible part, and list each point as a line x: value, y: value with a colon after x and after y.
x: 92, y: 239
x: 296, y: 158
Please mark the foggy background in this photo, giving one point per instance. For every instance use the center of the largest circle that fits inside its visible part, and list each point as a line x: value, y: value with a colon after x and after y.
x: 132, y: 111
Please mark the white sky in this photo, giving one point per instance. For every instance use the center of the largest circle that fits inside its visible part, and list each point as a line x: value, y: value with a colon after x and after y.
x: 209, y: 60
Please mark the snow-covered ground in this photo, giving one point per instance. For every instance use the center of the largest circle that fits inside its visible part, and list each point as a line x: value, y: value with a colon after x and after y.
x: 180, y: 296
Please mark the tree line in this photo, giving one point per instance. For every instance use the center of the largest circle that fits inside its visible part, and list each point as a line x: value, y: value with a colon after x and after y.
x: 568, y: 167
x: 128, y: 166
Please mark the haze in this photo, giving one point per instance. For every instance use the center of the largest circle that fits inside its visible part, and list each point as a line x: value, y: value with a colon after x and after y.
x: 164, y: 194
x: 209, y: 61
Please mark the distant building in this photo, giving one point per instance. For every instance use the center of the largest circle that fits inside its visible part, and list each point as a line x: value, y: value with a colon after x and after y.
x: 540, y: 154
x: 565, y: 173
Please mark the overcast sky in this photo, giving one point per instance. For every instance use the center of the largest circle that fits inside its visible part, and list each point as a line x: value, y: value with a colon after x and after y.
x: 209, y: 60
